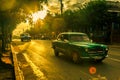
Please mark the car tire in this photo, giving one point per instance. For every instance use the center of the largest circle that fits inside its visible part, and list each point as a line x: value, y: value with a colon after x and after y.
x: 100, y: 60
x: 56, y: 52
x: 21, y: 40
x: 75, y: 57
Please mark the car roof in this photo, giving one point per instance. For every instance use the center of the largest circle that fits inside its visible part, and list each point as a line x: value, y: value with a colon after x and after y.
x: 25, y: 33
x: 74, y: 33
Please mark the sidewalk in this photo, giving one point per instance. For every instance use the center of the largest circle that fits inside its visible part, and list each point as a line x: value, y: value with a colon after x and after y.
x: 115, y: 46
x: 6, y: 66
x: 17, y: 71
x: 9, y: 68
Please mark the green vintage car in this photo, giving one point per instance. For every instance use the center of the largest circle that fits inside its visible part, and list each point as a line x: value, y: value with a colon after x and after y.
x: 78, y: 46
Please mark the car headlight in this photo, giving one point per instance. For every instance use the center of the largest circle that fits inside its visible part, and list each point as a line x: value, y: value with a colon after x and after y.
x: 106, y: 49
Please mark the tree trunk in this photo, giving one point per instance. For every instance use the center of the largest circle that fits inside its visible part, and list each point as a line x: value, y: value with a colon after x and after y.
x: 3, y: 38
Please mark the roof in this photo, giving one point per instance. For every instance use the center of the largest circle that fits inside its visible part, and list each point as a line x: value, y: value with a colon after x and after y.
x: 73, y: 33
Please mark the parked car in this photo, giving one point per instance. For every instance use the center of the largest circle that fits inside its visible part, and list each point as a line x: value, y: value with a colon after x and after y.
x: 78, y: 46
x: 25, y: 37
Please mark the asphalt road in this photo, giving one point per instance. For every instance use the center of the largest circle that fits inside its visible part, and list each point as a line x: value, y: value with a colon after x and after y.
x: 37, y: 62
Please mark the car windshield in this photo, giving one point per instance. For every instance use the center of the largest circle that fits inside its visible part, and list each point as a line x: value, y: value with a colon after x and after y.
x: 79, y: 38
x: 25, y: 34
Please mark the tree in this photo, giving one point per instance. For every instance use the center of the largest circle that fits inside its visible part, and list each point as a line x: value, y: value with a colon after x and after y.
x: 11, y: 13
x: 92, y: 15
x: 95, y: 13
x: 58, y: 25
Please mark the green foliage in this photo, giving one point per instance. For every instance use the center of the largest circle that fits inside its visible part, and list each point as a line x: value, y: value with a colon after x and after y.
x: 14, y: 15
x: 11, y: 14
x: 58, y: 25
x: 94, y: 14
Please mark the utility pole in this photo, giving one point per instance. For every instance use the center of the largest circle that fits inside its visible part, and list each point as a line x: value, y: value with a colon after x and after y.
x: 111, y: 35
x: 61, y: 6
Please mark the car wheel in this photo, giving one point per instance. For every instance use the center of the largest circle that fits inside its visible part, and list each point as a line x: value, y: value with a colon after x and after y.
x: 75, y: 57
x: 21, y: 40
x: 100, y: 60
x: 56, y: 52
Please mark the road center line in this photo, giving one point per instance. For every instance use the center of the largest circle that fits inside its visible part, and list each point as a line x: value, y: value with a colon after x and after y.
x: 35, y: 69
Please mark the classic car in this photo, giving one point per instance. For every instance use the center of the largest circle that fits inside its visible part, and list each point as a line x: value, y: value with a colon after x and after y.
x: 25, y: 37
x: 78, y: 47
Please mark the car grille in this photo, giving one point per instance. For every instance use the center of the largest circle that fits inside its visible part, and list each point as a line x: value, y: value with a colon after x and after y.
x: 96, y: 50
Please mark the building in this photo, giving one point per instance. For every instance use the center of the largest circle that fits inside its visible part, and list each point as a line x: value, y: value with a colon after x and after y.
x: 114, y: 10
x: 111, y: 32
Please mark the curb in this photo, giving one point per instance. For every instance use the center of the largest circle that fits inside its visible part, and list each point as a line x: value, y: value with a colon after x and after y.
x: 114, y: 46
x: 18, y: 72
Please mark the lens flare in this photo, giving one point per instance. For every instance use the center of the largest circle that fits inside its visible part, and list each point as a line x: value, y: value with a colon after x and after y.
x: 92, y: 70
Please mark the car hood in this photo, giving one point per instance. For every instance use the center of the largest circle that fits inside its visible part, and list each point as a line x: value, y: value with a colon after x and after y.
x: 88, y: 44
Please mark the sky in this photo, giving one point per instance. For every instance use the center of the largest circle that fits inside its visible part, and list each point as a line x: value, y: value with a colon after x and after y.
x: 54, y: 5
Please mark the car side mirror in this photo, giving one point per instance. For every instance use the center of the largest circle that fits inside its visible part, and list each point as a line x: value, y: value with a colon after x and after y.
x: 65, y: 40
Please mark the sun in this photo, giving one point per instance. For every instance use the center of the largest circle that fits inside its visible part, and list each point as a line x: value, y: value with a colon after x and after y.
x: 39, y: 14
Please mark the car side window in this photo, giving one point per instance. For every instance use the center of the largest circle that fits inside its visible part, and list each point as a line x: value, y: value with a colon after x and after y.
x: 66, y: 38
x: 60, y: 37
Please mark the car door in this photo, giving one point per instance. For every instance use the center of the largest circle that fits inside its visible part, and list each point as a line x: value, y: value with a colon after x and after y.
x: 64, y: 43
x: 60, y: 44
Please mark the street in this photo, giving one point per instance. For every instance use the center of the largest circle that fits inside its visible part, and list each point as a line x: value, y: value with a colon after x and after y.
x: 27, y: 28
x: 37, y: 62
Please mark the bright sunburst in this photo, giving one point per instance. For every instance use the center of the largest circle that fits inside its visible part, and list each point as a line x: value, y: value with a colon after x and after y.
x: 39, y: 14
